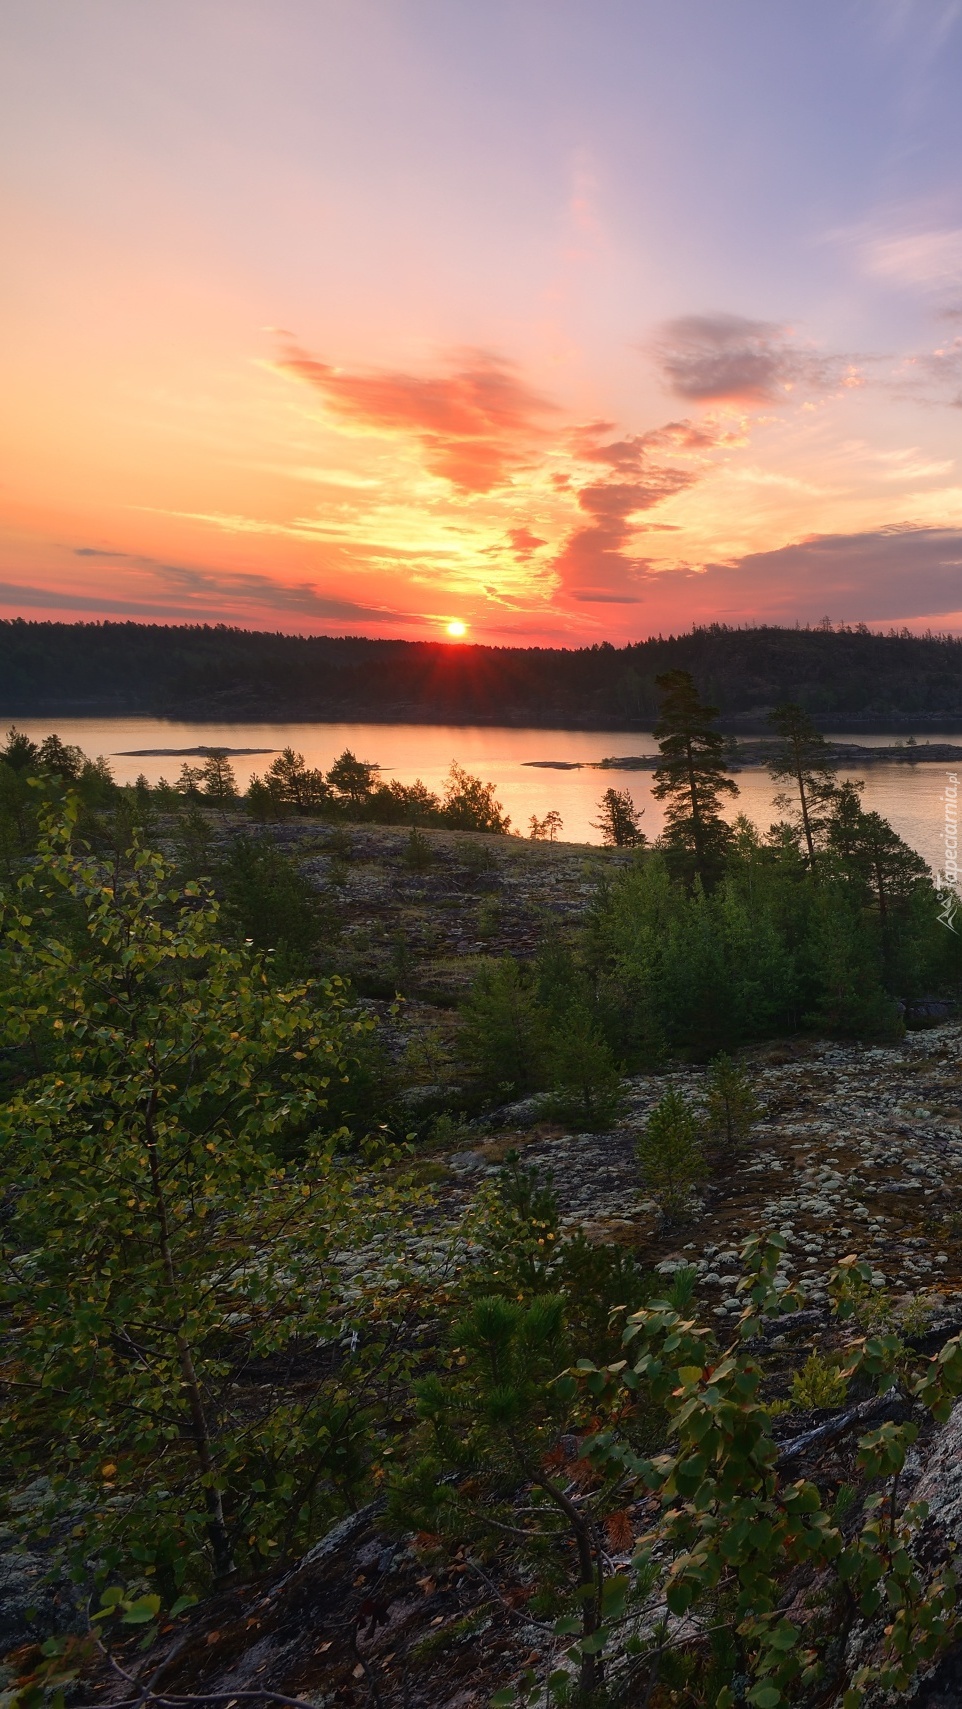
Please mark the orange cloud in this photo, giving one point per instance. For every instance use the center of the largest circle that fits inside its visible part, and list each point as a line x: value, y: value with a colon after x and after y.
x: 593, y: 565
x: 525, y: 543
x: 476, y: 424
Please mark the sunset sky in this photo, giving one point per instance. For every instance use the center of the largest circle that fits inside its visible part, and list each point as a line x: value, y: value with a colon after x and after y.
x: 558, y: 320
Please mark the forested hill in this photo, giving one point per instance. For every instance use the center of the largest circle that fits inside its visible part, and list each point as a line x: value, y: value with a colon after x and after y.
x: 847, y: 676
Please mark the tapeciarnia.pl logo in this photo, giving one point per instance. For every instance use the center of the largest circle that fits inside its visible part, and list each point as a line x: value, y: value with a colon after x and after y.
x: 947, y: 881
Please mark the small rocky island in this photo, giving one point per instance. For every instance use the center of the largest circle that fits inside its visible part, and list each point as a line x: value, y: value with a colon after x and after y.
x: 845, y: 755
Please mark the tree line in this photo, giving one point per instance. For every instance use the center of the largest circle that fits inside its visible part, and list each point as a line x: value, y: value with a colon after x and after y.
x: 842, y: 673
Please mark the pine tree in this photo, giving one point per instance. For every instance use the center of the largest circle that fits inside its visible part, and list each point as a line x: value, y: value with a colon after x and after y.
x: 618, y: 820
x: 893, y: 869
x: 731, y: 1107
x: 189, y: 781
x: 60, y: 758
x: 691, y: 778
x: 295, y: 784
x: 353, y: 779
x: 502, y: 1414
x: 846, y: 955
x: 545, y: 830
x: 871, y: 854
x: 802, y: 758
x: 504, y: 1030
x: 581, y: 1070
x: 670, y: 1153
x: 20, y: 752
x: 217, y: 777
x: 270, y: 903
x: 398, y: 803
x: 418, y: 854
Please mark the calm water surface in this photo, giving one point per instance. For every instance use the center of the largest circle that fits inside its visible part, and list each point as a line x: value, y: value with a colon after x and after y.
x: 909, y: 796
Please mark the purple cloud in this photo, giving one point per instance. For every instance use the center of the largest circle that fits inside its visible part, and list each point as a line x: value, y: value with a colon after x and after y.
x: 723, y: 358
x: 884, y: 575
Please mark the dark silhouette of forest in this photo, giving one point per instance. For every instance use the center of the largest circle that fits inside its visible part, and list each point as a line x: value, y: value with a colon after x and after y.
x: 848, y: 675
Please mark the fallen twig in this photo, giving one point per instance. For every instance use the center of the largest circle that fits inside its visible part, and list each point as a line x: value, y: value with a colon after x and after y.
x: 165, y: 1700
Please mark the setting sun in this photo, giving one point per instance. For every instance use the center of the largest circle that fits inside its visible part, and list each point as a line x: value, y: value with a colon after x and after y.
x: 327, y: 418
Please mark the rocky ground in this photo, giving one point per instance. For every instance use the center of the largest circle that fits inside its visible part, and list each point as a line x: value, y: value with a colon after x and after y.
x: 421, y: 921
x: 858, y: 1150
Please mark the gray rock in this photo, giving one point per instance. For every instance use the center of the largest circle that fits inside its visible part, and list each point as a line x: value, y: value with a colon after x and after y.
x: 33, y: 1606
x: 524, y: 1113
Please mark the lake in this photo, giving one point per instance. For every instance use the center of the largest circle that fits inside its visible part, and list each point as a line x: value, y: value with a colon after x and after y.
x: 909, y: 796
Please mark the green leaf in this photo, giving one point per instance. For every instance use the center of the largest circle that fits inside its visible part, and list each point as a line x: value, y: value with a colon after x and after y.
x: 138, y: 1613
x: 784, y: 1636
x: 614, y: 1596
x: 679, y: 1597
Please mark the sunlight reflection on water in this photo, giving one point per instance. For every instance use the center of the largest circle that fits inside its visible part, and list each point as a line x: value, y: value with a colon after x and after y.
x: 909, y: 796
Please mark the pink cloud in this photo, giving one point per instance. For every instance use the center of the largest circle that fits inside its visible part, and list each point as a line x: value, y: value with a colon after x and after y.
x: 476, y: 424
x: 593, y: 564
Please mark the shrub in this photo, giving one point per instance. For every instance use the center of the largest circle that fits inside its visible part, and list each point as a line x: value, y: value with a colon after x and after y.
x: 156, y: 1249
x: 819, y: 1383
x: 269, y: 902
x: 469, y: 804
x: 418, y: 854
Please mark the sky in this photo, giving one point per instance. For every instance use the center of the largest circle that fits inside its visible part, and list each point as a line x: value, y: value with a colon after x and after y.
x: 519, y: 322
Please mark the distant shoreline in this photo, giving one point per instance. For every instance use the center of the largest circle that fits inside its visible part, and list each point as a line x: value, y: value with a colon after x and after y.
x: 736, y: 725
x: 756, y: 754
x: 849, y: 679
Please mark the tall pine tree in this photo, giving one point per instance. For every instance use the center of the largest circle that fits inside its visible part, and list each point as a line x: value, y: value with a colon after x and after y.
x: 691, y: 778
x: 801, y: 758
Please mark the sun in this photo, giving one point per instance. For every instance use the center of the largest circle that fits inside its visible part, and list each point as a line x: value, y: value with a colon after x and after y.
x: 456, y: 628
